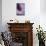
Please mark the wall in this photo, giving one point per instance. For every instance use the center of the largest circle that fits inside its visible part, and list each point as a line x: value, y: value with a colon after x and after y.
x: 43, y: 14
x: 43, y: 6
x: 0, y: 15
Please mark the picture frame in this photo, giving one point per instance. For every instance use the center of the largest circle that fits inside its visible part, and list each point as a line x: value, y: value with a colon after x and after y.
x: 20, y: 9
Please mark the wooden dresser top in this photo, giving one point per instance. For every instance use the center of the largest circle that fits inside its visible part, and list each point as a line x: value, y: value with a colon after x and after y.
x: 19, y: 23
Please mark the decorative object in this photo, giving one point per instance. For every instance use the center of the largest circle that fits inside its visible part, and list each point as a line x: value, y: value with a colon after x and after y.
x: 27, y: 21
x: 20, y: 9
x: 41, y: 36
x: 13, y: 21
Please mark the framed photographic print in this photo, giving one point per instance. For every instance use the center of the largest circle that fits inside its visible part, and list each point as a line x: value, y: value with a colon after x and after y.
x: 20, y: 9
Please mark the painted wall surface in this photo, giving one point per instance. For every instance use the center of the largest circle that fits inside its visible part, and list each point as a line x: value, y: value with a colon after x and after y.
x: 43, y: 6
x: 43, y: 14
x: 32, y: 13
x: 0, y: 15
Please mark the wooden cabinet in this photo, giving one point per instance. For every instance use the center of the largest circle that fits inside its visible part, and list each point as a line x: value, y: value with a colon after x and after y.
x: 22, y: 33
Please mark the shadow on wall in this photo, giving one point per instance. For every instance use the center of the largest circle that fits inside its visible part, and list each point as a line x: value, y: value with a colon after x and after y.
x: 43, y: 6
